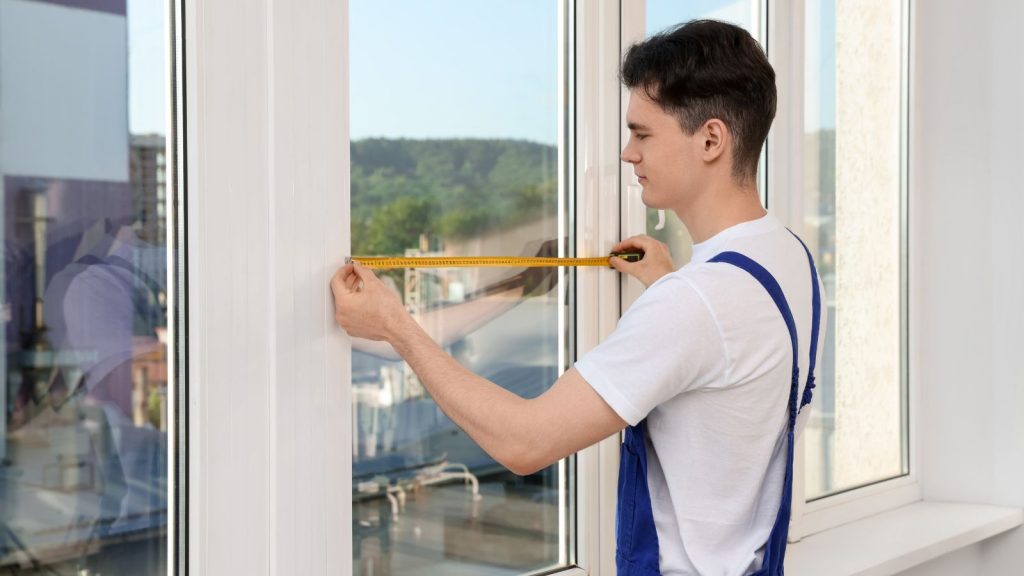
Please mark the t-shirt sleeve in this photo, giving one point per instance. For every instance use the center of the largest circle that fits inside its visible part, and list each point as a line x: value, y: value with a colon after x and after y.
x: 666, y: 343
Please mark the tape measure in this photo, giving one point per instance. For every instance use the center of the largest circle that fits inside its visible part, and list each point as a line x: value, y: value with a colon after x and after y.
x: 387, y: 262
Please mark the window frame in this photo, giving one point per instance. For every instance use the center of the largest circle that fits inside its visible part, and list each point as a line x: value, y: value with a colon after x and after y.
x: 177, y: 354
x: 597, y: 221
x: 811, y: 517
x: 256, y: 89
x: 264, y: 191
x: 262, y: 67
x: 783, y: 24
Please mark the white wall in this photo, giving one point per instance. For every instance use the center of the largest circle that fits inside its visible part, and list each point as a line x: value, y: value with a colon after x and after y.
x: 967, y: 262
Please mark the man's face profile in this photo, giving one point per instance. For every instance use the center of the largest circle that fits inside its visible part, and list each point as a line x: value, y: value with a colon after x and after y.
x: 665, y: 159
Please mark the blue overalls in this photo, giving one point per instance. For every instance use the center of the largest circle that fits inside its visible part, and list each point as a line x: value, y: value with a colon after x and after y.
x: 636, y: 536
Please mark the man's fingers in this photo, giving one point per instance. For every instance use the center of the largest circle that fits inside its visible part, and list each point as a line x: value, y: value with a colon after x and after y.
x: 363, y: 272
x: 346, y: 277
x: 338, y: 280
x: 351, y: 280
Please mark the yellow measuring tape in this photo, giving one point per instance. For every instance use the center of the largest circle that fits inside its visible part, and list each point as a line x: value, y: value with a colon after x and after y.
x: 387, y: 262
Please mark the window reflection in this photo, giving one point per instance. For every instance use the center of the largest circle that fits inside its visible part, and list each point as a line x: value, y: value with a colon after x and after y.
x: 83, y: 437
x: 465, y: 164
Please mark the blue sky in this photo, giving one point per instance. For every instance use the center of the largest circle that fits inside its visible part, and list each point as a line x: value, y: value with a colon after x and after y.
x: 463, y: 68
x: 454, y: 68
x: 662, y: 14
x: 820, y: 64
x: 419, y: 69
x: 147, y: 65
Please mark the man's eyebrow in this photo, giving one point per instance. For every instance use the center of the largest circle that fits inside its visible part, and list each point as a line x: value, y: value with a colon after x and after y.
x: 635, y: 126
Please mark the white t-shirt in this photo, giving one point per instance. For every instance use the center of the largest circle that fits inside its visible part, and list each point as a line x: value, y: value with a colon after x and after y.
x: 705, y: 356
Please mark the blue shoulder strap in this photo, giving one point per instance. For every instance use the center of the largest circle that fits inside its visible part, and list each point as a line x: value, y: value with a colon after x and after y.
x: 775, y: 547
x: 775, y: 291
x: 815, y: 323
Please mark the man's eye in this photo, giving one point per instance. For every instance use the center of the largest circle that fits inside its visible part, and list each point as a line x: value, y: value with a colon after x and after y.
x: 641, y: 136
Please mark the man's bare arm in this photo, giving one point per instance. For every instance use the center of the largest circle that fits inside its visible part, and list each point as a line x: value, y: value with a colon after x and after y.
x: 524, y: 435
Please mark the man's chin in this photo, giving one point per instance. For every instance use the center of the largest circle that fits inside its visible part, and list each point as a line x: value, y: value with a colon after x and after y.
x: 651, y: 203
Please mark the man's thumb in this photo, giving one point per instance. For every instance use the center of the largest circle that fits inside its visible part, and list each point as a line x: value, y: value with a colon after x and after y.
x: 618, y: 263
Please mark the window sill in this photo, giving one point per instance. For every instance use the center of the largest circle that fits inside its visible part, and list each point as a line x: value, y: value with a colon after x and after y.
x: 898, y: 539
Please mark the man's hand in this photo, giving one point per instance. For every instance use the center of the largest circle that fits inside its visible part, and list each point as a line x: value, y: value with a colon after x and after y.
x: 657, y: 260
x: 363, y: 305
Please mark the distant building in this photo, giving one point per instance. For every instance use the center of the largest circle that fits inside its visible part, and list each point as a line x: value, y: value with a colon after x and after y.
x: 149, y: 187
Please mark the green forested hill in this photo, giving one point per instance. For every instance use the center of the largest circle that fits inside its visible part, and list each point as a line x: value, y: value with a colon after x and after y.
x: 447, y: 188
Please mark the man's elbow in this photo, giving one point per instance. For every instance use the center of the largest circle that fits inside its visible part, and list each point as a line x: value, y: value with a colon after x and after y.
x: 525, y: 468
x: 524, y: 460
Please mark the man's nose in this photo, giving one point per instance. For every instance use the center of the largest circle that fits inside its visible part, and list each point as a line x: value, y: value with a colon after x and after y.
x: 629, y: 155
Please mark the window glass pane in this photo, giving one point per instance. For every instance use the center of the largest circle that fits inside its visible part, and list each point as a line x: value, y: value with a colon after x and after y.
x: 455, y: 113
x: 852, y: 206
x: 84, y: 404
x: 663, y: 14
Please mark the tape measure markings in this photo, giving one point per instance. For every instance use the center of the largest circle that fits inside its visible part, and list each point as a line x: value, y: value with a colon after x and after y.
x: 388, y: 262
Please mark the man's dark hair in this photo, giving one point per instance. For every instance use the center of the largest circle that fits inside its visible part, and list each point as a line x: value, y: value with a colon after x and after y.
x: 706, y: 69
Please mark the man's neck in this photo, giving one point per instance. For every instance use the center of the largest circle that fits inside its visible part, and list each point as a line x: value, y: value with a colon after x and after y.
x: 721, y: 208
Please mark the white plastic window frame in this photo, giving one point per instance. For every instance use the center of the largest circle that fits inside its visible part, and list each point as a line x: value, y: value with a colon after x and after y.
x: 263, y: 129
x: 598, y: 220
x: 786, y: 50
x: 783, y: 22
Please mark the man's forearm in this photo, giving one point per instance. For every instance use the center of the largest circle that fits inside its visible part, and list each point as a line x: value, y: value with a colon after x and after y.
x: 494, y: 418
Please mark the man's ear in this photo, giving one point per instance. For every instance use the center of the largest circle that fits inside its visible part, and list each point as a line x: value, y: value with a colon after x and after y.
x: 715, y: 137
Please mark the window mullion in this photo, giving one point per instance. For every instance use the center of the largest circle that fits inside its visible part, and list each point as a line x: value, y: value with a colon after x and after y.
x: 784, y: 166
x: 597, y: 116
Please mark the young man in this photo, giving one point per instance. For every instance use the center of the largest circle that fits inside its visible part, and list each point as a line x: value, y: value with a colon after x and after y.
x: 704, y: 368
